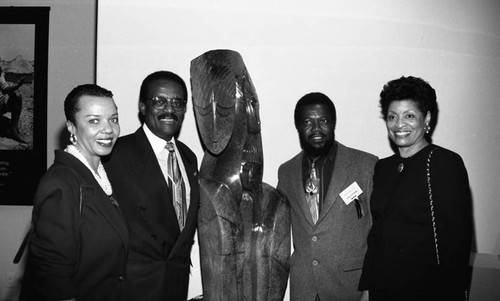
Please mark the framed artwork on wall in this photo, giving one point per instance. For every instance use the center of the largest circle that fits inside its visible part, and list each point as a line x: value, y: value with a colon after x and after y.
x: 24, y: 35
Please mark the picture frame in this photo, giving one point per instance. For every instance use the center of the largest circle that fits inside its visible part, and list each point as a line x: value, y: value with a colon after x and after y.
x: 24, y: 33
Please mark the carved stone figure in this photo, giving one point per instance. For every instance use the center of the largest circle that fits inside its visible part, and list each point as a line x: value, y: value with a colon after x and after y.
x: 243, y: 224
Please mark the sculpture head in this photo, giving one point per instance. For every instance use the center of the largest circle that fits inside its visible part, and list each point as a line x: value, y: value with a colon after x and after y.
x: 226, y: 107
x: 222, y: 93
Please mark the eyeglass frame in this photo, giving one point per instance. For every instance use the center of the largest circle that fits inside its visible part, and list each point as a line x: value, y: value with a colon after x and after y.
x: 155, y: 102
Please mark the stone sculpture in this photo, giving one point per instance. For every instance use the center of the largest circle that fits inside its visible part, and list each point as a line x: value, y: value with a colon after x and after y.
x: 243, y: 224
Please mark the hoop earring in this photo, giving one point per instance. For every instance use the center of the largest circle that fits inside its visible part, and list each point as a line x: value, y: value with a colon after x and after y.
x: 73, y: 138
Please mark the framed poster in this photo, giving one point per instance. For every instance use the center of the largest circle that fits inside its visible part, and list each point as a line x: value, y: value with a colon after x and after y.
x: 23, y: 101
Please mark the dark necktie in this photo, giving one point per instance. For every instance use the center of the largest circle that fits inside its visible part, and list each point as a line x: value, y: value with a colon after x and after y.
x: 177, y: 187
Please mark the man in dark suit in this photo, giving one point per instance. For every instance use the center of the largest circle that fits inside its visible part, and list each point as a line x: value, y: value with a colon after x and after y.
x: 159, y: 197
x: 328, y: 186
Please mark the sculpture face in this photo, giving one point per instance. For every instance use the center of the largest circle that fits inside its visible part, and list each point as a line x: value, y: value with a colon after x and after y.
x: 251, y: 168
x: 214, y: 111
x: 252, y: 105
x: 216, y: 116
x: 251, y: 160
x: 218, y: 112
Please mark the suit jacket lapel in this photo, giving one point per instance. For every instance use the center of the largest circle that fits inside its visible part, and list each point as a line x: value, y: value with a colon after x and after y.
x: 150, y: 177
x: 338, y: 181
x: 192, y: 175
x: 298, y: 187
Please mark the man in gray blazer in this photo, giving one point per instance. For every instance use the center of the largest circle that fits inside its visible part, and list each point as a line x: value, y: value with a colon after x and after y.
x: 329, y: 187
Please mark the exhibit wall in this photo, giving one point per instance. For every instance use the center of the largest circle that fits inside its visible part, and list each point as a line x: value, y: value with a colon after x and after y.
x: 345, y: 49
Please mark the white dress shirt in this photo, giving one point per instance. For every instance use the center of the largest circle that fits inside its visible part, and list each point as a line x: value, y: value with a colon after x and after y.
x: 161, y: 153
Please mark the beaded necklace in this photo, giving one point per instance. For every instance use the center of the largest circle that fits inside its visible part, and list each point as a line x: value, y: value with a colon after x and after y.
x: 101, y: 176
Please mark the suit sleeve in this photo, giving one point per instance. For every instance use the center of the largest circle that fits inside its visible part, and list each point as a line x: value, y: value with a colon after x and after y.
x: 54, y: 241
x: 370, y: 170
x: 452, y: 202
x: 367, y: 263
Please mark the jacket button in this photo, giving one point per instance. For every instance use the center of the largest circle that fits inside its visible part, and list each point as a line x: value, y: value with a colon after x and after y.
x: 142, y: 208
x: 121, y: 278
x: 154, y: 237
x: 315, y: 262
x: 314, y: 238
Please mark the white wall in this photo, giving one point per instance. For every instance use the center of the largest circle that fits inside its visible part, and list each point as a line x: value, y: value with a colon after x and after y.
x: 71, y: 62
x: 347, y: 50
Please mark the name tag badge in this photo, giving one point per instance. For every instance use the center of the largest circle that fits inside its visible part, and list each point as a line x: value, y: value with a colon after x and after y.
x: 351, y: 193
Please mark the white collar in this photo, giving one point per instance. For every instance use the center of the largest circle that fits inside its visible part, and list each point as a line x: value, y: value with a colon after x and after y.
x: 156, y: 142
x: 158, y: 145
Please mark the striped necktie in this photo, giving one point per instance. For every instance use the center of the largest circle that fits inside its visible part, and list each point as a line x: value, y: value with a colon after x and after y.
x: 177, y: 187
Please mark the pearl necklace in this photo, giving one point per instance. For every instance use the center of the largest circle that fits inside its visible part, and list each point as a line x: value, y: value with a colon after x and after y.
x: 101, y: 176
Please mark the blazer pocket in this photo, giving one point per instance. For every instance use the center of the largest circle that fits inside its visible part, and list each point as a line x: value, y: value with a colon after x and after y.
x: 352, y: 263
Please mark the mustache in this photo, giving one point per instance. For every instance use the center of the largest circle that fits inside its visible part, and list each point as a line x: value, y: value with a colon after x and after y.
x: 167, y: 115
x: 311, y: 150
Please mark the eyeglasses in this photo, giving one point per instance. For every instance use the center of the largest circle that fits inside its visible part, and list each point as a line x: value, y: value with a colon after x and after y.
x: 177, y: 104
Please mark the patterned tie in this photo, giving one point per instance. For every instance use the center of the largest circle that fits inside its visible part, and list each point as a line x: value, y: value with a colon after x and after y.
x: 312, y: 193
x: 177, y: 186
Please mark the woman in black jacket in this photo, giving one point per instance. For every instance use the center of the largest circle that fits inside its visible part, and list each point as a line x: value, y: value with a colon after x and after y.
x: 419, y: 245
x: 79, y: 242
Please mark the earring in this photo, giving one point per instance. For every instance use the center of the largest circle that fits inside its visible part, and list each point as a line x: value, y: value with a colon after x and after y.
x: 73, y: 138
x: 427, y: 128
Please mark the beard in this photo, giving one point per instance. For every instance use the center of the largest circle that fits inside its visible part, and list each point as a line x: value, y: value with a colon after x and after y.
x: 315, y: 151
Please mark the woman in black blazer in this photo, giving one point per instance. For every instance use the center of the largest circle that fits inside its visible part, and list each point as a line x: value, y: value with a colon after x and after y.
x: 419, y: 245
x: 79, y: 240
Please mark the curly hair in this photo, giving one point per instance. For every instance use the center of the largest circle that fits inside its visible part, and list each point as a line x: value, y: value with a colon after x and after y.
x: 409, y: 88
x: 314, y: 98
